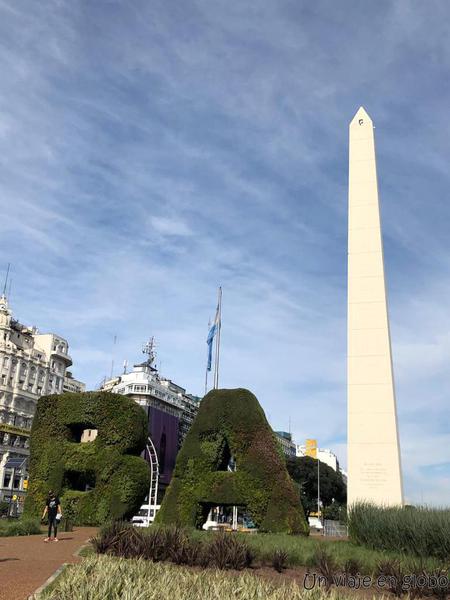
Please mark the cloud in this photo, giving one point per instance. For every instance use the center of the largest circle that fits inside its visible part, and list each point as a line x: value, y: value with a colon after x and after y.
x: 170, y: 226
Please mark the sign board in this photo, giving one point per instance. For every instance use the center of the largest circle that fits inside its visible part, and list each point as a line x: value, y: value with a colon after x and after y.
x: 311, y: 448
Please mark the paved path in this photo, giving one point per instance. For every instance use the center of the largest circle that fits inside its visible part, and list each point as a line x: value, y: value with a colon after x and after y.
x: 26, y: 562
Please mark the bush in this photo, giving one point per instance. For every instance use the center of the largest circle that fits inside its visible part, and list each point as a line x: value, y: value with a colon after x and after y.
x: 352, y: 566
x: 326, y: 565
x: 4, y: 508
x: 24, y: 526
x: 279, y: 560
x: 221, y: 550
x: 231, y: 423
x: 419, y: 531
x: 226, y: 551
x: 393, y: 573
x: 110, y: 465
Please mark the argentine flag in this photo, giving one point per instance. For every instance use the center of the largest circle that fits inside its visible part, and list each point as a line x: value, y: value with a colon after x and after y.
x: 211, y: 334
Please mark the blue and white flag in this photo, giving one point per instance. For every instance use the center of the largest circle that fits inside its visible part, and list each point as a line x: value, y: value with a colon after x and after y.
x: 211, y: 334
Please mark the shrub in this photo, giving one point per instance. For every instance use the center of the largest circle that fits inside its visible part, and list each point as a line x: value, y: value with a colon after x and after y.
x: 279, y: 560
x: 232, y: 423
x: 352, y: 566
x: 157, y: 544
x: 23, y: 526
x: 110, y: 465
x: 392, y: 571
x: 4, y: 508
x: 226, y: 551
x: 326, y: 565
x: 418, y: 531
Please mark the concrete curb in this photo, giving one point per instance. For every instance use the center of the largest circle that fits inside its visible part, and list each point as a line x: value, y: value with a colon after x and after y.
x: 35, y: 595
x: 50, y: 580
x: 81, y: 548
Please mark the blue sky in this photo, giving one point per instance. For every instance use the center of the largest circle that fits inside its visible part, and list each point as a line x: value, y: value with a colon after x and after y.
x: 150, y: 150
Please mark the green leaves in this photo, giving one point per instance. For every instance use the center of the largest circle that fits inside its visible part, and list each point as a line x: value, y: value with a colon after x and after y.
x: 231, y: 423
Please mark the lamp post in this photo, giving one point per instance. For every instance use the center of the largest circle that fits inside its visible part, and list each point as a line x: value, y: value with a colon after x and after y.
x: 318, y: 488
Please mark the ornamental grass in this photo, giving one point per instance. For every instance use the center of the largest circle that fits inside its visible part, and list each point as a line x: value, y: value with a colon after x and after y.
x: 421, y: 531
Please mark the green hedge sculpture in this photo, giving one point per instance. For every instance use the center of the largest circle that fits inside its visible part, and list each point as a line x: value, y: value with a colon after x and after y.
x: 110, y: 464
x: 231, y: 423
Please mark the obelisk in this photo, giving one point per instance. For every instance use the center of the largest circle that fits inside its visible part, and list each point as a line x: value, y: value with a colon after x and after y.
x: 374, y: 470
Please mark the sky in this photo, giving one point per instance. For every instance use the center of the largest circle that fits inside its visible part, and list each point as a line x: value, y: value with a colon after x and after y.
x: 155, y: 149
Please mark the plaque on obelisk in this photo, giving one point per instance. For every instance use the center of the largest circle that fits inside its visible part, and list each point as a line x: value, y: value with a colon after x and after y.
x: 374, y: 470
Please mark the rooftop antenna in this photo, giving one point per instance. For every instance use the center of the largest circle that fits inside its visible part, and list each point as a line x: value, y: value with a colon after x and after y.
x: 6, y: 279
x: 9, y: 290
x: 150, y: 349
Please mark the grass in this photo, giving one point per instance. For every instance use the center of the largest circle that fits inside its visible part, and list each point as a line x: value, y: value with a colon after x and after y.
x: 422, y: 532
x: 24, y: 526
x: 303, y: 551
x: 100, y: 577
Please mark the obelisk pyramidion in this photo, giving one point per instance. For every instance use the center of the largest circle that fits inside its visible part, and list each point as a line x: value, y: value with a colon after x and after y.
x: 374, y: 470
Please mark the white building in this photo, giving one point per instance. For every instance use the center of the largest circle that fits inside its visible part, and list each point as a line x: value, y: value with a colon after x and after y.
x: 70, y: 384
x: 170, y: 410
x: 31, y: 365
x: 148, y: 388
x: 324, y: 455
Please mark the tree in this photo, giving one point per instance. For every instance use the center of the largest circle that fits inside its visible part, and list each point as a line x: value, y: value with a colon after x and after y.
x: 303, y: 470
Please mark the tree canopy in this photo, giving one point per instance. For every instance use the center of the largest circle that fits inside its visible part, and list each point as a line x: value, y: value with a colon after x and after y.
x: 303, y: 470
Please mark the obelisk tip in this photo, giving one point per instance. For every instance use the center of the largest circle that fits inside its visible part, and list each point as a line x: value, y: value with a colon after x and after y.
x: 361, y: 117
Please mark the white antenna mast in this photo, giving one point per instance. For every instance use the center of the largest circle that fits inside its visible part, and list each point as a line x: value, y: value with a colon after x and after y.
x: 6, y: 279
x: 150, y: 349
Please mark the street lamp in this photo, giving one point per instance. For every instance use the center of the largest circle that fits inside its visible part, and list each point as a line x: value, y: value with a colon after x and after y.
x: 318, y: 488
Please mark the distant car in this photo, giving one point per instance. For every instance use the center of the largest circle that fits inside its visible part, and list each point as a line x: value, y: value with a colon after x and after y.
x: 315, y: 523
x: 145, y: 516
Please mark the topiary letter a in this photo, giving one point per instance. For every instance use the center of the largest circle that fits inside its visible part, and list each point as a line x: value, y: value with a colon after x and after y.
x: 232, y: 424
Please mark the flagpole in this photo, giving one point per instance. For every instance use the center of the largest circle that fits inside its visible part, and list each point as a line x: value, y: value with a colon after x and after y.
x: 219, y: 326
x: 206, y: 375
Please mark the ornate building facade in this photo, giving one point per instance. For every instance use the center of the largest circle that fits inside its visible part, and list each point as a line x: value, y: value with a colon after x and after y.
x: 31, y: 365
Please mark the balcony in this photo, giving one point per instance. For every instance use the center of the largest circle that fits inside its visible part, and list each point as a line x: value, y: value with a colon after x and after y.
x: 14, y: 430
x: 62, y: 356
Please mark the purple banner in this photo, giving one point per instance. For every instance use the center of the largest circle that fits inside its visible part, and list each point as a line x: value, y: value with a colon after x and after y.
x: 163, y: 429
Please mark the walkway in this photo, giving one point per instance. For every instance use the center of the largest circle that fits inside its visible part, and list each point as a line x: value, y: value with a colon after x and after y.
x: 26, y: 562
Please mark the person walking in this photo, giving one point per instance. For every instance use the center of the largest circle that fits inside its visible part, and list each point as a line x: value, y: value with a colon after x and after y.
x: 53, y: 511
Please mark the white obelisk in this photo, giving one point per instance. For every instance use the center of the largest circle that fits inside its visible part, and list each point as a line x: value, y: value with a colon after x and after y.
x: 374, y: 471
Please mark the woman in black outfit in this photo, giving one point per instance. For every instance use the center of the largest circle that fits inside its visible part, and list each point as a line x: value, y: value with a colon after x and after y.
x: 52, y: 508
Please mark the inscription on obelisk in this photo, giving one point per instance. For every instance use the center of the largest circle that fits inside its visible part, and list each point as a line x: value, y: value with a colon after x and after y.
x: 374, y: 470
